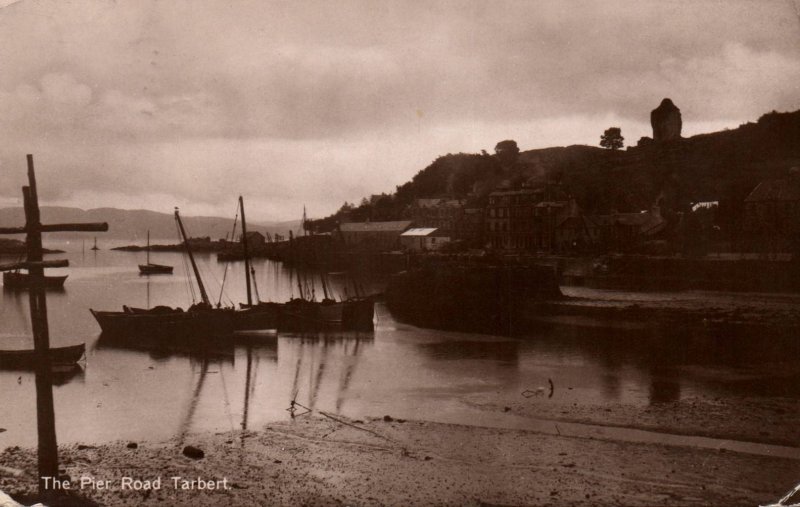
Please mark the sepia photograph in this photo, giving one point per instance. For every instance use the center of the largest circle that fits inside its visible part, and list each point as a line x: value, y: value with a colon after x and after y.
x: 400, y: 252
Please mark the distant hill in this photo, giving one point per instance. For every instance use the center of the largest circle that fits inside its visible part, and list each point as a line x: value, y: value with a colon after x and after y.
x: 134, y: 224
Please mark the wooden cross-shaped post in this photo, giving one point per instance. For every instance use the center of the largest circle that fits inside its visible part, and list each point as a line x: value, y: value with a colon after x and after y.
x: 33, y: 229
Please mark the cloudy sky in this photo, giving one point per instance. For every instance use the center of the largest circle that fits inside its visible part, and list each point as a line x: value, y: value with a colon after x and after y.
x: 139, y: 104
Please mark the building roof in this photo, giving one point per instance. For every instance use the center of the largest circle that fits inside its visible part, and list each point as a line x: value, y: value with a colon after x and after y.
x: 523, y: 191
x: 394, y: 226
x: 435, y: 202
x: 427, y: 202
x: 419, y: 231
x: 787, y: 189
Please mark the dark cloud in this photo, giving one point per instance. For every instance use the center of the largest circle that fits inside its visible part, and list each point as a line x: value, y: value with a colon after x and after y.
x: 327, y: 101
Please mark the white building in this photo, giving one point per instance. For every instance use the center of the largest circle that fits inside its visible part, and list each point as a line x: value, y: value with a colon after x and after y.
x: 420, y: 239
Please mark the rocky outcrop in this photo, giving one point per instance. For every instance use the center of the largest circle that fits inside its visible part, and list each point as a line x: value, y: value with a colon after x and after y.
x: 666, y: 122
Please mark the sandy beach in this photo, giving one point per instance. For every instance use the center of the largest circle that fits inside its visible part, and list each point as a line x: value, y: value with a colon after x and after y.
x: 315, y: 460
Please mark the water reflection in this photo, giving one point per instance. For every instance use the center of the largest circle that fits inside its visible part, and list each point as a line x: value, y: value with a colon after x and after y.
x: 506, y: 352
x: 320, y: 358
x: 160, y: 349
x: 186, y: 422
x: 146, y: 388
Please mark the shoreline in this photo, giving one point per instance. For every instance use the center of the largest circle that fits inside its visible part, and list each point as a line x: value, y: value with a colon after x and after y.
x: 319, y: 461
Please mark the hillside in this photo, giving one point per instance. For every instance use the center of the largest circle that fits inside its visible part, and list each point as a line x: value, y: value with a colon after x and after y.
x: 722, y: 166
x: 134, y: 224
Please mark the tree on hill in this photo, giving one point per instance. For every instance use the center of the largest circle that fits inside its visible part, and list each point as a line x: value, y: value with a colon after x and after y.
x: 507, y: 151
x: 612, y: 138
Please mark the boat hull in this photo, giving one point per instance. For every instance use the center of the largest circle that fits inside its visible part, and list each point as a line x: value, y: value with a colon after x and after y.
x: 177, y: 324
x: 263, y: 316
x: 23, y: 281
x: 26, y: 359
x: 359, y: 314
x: 155, y: 269
x: 351, y: 315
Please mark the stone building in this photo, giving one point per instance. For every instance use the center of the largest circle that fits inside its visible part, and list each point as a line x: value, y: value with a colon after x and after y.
x: 527, y: 219
x: 509, y: 219
x: 373, y: 236
x: 439, y: 213
x: 622, y: 232
x: 772, y: 215
x: 471, y: 228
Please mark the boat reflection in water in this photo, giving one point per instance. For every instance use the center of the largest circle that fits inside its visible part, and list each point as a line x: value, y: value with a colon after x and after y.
x: 195, y: 348
x: 315, y: 358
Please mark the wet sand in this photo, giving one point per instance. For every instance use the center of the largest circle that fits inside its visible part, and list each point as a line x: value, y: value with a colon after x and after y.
x: 314, y: 460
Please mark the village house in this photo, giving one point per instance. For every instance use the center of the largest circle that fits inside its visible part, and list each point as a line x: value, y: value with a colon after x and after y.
x: 509, y: 219
x: 621, y: 232
x: 373, y: 236
x: 471, y: 227
x: 439, y: 213
x: 771, y: 221
x: 423, y: 239
x: 527, y: 219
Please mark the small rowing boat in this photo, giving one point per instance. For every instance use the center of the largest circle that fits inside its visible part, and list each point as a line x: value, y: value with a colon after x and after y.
x: 26, y: 358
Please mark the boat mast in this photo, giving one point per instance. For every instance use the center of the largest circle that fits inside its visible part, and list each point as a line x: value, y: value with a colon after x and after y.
x: 148, y: 247
x: 191, y: 259
x: 246, y: 254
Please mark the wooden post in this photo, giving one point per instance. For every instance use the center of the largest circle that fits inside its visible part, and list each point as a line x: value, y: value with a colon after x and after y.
x: 45, y: 413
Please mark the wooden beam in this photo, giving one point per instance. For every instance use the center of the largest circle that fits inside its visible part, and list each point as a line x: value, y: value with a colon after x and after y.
x: 91, y: 227
x: 13, y: 230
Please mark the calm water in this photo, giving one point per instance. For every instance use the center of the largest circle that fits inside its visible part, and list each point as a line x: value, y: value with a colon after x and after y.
x: 129, y: 392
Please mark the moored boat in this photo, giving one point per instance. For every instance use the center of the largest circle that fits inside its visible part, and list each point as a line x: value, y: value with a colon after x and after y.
x: 153, y: 269
x: 258, y: 316
x: 22, y: 281
x: 26, y: 358
x: 200, y: 320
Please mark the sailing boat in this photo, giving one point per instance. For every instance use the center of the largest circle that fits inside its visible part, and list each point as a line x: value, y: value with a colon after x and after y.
x: 95, y: 245
x: 199, y: 321
x: 150, y: 268
x: 259, y: 316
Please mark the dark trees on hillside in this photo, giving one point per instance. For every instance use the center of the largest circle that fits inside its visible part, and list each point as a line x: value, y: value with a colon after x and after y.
x: 507, y: 152
x: 612, y: 138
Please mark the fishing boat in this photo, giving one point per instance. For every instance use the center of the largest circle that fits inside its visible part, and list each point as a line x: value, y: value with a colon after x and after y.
x: 259, y: 315
x: 198, y: 321
x: 153, y: 269
x: 300, y: 314
x: 95, y: 245
x: 26, y: 358
x: 22, y: 281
